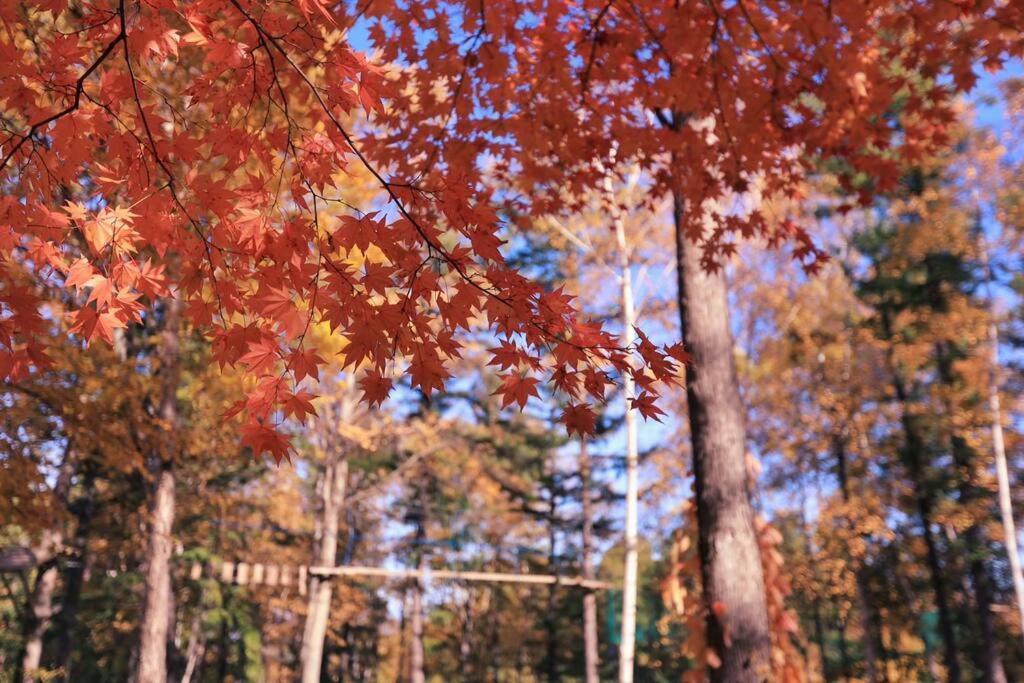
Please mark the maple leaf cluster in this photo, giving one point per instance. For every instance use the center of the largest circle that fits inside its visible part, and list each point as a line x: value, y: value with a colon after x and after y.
x: 720, y: 103
x: 200, y: 150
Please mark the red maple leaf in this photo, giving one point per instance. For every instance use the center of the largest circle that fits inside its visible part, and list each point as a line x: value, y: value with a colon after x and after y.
x: 90, y: 324
x: 264, y: 439
x: 516, y: 388
x: 298, y: 405
x: 579, y: 418
x: 375, y: 387
x: 644, y: 404
x: 261, y: 356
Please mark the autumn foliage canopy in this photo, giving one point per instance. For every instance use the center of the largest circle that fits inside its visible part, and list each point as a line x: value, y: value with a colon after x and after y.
x: 200, y: 150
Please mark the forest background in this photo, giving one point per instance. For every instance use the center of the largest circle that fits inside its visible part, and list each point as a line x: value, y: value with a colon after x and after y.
x: 880, y: 388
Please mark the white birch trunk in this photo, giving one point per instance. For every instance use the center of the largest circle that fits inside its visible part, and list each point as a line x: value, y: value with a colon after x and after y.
x: 1003, y: 476
x: 590, y: 645
x: 627, y: 648
x: 999, y: 446
x: 332, y: 487
x: 157, y: 615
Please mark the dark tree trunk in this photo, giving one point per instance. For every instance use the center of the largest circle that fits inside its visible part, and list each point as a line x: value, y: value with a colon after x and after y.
x: 40, y: 608
x: 844, y: 655
x: 733, y: 579
x: 819, y: 640
x: 923, y: 501
x: 869, y: 627
x: 992, y: 661
x: 75, y: 576
x: 914, y: 457
x: 222, y: 651
x: 40, y: 605
x: 950, y: 658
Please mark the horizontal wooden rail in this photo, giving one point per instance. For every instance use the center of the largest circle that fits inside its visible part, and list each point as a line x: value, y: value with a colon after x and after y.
x: 452, y: 575
x: 13, y: 559
x: 245, y: 574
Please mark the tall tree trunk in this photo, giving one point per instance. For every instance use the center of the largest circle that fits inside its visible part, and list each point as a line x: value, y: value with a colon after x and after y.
x: 999, y: 450
x: 196, y: 648
x: 40, y: 606
x: 416, y: 673
x: 733, y: 579
x: 156, y: 615
x: 416, y: 663
x: 590, y: 650
x: 332, y: 496
x: 551, y: 613
x: 950, y: 652
x: 627, y: 646
x: 844, y: 655
x: 222, y: 651
x: 923, y: 501
x: 992, y: 660
x: 75, y: 575
x: 868, y: 624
